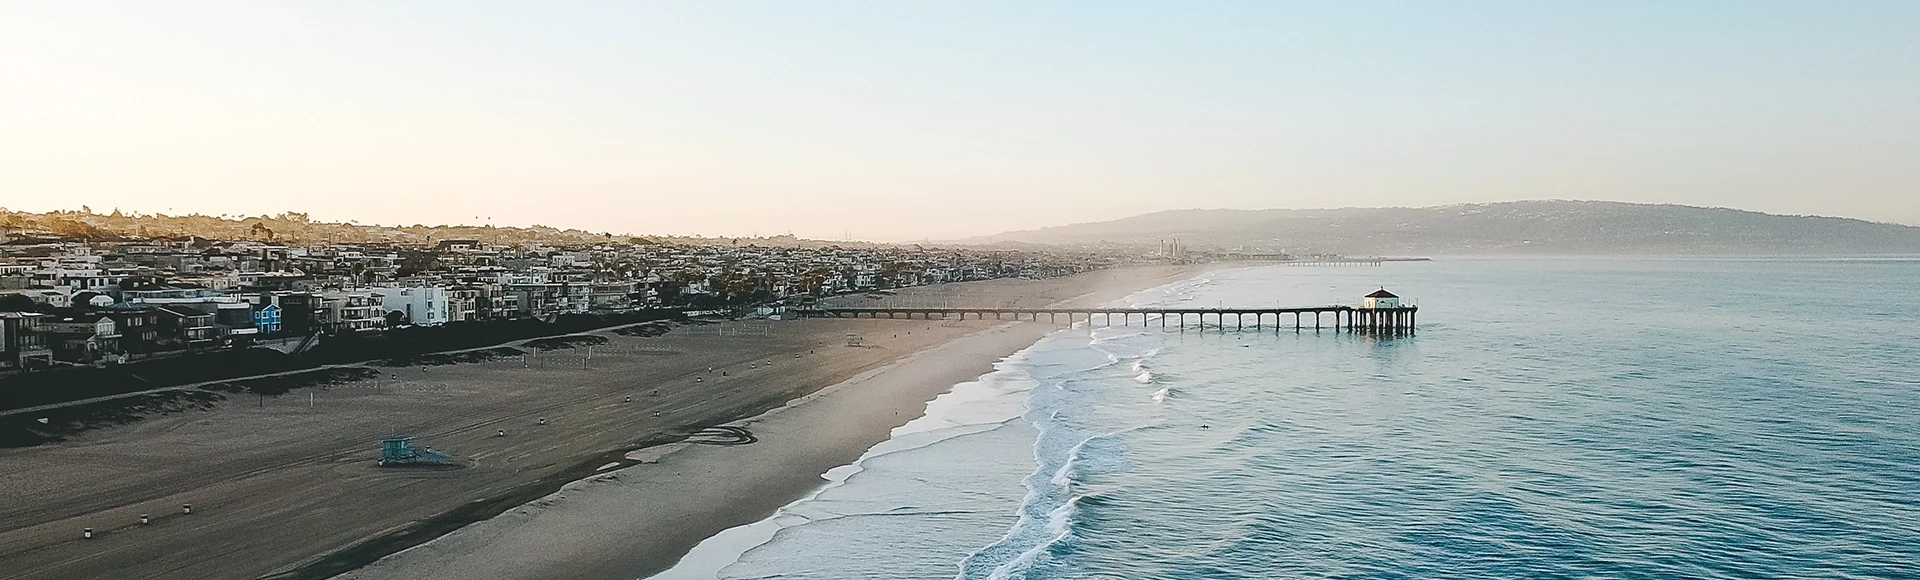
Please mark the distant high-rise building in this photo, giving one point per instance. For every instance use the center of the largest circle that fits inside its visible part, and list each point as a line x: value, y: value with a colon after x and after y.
x: 1171, y: 249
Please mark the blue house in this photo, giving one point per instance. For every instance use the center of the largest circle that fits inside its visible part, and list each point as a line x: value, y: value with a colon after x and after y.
x: 267, y: 320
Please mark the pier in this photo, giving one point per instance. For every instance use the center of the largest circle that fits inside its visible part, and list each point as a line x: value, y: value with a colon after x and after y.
x: 1337, y: 317
x: 1286, y: 260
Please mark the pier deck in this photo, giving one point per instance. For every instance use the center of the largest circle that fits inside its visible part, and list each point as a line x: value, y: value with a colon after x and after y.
x: 1339, y: 317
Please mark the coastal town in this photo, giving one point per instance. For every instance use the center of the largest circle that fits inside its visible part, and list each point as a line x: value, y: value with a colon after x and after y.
x: 73, y: 295
x: 222, y: 379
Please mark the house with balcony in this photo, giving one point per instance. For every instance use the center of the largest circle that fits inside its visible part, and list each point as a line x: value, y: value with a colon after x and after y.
x: 550, y: 299
x: 463, y: 303
x: 186, y: 328
x: 83, y: 338
x: 611, y: 296
x: 349, y: 311
x: 23, y: 341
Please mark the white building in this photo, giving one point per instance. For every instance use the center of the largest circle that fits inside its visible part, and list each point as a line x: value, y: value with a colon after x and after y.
x: 1380, y: 299
x: 422, y: 306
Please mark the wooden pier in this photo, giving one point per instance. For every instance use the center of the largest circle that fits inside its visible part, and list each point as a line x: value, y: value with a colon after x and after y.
x: 1395, y: 319
x: 1286, y: 260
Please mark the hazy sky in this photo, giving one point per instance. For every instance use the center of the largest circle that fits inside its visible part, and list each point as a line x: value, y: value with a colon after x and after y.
x: 909, y: 120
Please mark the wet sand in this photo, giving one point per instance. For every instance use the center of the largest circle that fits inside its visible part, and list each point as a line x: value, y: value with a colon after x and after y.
x: 284, y: 489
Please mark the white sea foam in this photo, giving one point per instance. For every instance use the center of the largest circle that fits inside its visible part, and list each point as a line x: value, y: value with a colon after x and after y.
x: 1066, y: 451
x: 969, y: 408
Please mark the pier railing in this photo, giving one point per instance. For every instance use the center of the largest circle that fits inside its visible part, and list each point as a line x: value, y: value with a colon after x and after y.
x: 1338, y: 317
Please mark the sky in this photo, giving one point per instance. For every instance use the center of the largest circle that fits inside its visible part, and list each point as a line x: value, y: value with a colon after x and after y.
x: 903, y: 121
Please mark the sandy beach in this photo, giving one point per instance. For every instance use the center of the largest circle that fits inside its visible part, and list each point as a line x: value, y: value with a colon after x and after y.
x: 286, y: 486
x: 639, y: 520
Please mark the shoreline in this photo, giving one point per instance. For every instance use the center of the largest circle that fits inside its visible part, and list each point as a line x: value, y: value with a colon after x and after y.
x: 602, y: 527
x: 954, y: 414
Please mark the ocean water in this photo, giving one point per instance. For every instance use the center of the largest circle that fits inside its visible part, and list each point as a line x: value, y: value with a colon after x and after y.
x: 1574, y: 418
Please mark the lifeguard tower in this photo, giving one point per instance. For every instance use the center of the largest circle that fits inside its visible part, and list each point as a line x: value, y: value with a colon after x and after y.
x: 398, y: 451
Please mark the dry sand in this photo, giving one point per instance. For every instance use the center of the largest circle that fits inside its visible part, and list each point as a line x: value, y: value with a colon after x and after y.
x: 281, y: 488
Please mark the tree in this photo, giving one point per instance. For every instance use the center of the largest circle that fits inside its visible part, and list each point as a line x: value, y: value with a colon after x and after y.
x: 75, y: 229
x: 414, y: 262
x: 16, y: 303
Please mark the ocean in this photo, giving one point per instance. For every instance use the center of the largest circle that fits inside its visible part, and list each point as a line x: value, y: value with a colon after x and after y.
x: 1551, y: 418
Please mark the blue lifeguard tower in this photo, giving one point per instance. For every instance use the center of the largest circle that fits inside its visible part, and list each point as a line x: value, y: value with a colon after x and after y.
x: 399, y: 450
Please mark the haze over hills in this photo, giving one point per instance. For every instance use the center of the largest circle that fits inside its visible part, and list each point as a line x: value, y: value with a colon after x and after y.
x: 297, y: 228
x: 1521, y: 227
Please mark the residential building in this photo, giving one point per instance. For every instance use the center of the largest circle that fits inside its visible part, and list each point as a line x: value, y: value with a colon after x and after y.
x: 416, y: 305
x: 139, y: 330
x: 235, y: 320
x: 266, y: 319
x: 83, y: 338
x: 186, y: 328
x: 23, y: 341
x: 355, y: 311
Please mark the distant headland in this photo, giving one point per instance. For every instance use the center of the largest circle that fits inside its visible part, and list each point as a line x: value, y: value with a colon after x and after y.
x: 1521, y: 227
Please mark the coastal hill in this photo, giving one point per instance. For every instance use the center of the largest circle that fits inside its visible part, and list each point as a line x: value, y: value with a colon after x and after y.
x: 1521, y: 227
x: 297, y: 228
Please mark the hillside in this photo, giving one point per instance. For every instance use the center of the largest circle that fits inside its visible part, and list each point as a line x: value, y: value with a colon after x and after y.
x: 297, y: 228
x: 1524, y: 227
